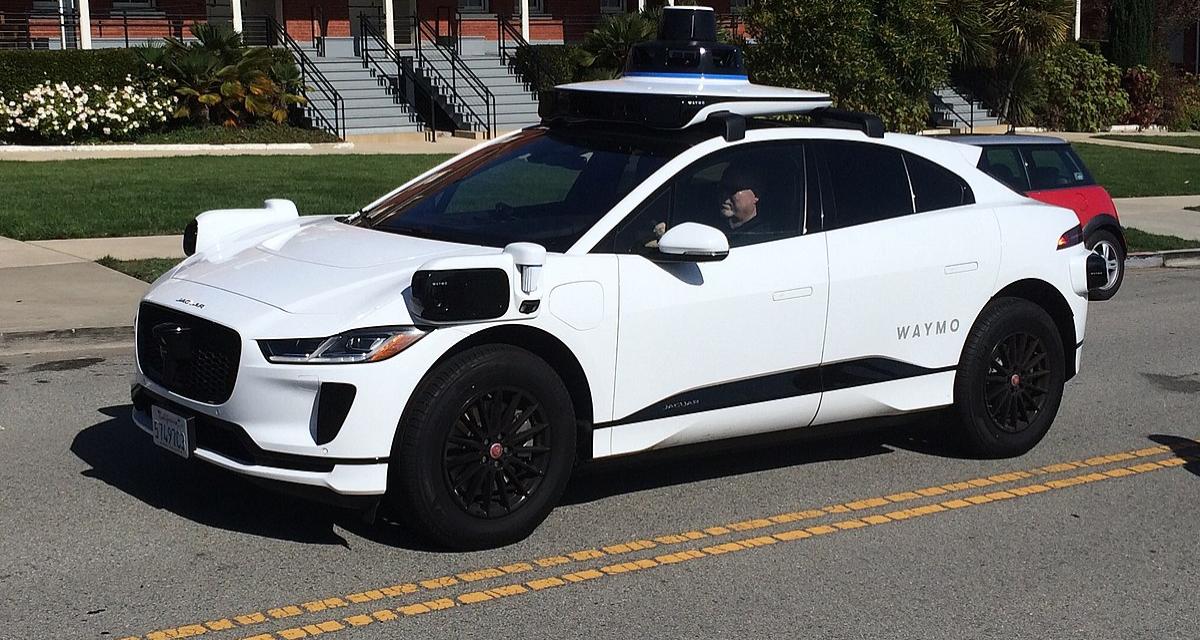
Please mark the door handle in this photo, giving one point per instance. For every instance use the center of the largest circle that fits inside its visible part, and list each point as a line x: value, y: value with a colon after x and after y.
x: 961, y: 267
x: 788, y: 294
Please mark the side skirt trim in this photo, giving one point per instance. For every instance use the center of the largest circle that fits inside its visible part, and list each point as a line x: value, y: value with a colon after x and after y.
x: 777, y: 386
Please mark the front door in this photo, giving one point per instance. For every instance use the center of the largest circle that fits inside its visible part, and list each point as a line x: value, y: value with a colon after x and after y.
x: 699, y: 344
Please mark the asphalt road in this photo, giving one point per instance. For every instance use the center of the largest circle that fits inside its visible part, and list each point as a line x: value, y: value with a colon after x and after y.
x: 859, y: 533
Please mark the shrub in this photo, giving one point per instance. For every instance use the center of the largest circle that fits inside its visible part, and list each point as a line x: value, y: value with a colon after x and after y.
x: 1145, y: 98
x: 545, y: 65
x: 1181, y: 102
x: 22, y: 70
x: 220, y: 80
x: 884, y: 56
x: 58, y: 112
x: 1082, y: 90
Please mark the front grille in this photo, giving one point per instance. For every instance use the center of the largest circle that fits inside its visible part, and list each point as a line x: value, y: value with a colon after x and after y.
x: 190, y: 356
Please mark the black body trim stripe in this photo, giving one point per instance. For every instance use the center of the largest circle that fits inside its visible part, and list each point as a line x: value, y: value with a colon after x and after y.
x: 777, y: 386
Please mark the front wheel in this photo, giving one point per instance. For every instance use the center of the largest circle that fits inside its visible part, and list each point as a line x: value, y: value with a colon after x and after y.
x: 485, y: 449
x: 1010, y: 379
x: 1106, y: 245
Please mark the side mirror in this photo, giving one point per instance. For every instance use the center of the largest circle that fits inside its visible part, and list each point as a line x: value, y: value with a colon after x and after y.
x: 692, y: 242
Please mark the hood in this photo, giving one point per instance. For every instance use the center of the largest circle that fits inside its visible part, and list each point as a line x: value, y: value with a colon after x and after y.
x: 319, y: 266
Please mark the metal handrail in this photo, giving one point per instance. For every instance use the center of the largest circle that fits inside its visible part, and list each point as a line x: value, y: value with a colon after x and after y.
x: 367, y: 34
x: 459, y: 66
x: 317, y: 24
x: 505, y: 31
x: 336, y: 125
x: 947, y: 107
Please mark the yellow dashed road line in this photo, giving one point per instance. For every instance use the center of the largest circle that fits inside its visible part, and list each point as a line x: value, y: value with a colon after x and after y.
x: 477, y: 597
x: 433, y: 584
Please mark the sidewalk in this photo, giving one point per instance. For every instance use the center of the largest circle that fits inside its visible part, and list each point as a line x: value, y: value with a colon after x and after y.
x: 1091, y: 138
x: 46, y: 294
x: 1164, y: 215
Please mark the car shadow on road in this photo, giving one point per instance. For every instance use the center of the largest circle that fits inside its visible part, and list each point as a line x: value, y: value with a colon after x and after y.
x: 123, y: 456
x: 920, y: 433
x: 1181, y: 446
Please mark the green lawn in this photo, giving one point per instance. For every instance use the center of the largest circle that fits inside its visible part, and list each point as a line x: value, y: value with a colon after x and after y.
x: 148, y: 196
x: 149, y: 269
x: 1191, y: 142
x: 1139, y: 240
x: 1128, y: 173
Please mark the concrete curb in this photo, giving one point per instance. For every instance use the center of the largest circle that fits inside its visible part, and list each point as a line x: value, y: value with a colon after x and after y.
x: 15, y: 342
x: 1178, y: 258
x: 95, y: 148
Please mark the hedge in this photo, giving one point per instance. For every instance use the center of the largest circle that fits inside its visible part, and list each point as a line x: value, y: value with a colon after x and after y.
x: 21, y: 70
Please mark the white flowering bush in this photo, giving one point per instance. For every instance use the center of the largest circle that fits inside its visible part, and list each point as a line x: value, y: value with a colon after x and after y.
x: 58, y: 112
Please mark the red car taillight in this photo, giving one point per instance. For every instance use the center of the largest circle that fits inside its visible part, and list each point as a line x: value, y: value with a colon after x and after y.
x: 1072, y: 237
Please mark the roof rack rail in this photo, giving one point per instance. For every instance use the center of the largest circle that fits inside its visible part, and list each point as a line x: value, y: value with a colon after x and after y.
x: 868, y: 123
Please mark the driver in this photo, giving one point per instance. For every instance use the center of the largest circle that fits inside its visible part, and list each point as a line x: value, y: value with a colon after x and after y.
x: 739, y: 193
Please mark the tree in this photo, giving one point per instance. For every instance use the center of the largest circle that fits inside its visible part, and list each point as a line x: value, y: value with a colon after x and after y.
x: 884, y: 56
x: 1131, y: 32
x: 1025, y: 29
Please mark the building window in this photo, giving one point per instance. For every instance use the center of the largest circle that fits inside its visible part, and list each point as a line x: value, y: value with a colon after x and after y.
x: 612, y: 6
x: 472, y: 6
x: 738, y: 6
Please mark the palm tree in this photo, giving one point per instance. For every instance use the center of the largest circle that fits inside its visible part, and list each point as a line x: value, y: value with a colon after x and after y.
x: 609, y: 43
x: 1023, y: 29
x: 972, y: 30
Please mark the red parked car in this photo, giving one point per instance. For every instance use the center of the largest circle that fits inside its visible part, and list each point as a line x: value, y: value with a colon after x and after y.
x: 1049, y: 170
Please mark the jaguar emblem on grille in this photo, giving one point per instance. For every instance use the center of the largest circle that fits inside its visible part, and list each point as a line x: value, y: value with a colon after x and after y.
x: 174, y: 347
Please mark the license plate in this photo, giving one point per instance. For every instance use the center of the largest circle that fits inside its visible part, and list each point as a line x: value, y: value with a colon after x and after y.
x: 172, y: 431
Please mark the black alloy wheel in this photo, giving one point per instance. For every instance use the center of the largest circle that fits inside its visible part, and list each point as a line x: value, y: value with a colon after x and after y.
x: 1013, y: 387
x: 1010, y: 379
x: 484, y: 449
x: 497, y: 452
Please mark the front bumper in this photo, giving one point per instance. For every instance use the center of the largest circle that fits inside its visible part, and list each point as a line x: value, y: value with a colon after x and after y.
x: 226, y: 445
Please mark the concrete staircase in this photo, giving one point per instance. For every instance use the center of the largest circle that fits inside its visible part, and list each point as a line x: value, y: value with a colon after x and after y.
x: 516, y: 106
x: 370, y: 107
x: 954, y: 110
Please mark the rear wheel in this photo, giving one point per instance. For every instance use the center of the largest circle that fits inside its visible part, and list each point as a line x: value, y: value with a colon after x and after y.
x: 1106, y: 245
x: 484, y: 450
x: 1010, y: 379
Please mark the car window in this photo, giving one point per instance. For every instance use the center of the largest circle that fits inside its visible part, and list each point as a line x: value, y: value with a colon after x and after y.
x: 1005, y: 164
x: 541, y: 185
x: 868, y: 182
x: 1053, y: 167
x: 935, y: 187
x: 752, y: 193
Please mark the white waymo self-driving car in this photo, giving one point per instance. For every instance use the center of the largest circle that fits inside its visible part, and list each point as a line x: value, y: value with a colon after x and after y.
x: 652, y: 265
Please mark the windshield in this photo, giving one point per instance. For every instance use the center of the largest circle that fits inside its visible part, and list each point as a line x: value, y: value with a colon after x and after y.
x: 544, y: 186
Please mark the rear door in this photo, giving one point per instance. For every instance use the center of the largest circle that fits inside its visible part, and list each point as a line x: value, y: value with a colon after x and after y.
x: 911, y: 262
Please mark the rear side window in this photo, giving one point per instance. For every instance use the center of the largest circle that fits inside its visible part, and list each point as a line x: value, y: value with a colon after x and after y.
x: 935, y: 187
x: 1005, y: 164
x: 868, y: 182
x: 1054, y: 167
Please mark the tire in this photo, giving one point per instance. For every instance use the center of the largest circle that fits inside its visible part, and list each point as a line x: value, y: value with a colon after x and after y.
x: 442, y: 459
x: 1108, y: 246
x: 1010, y: 379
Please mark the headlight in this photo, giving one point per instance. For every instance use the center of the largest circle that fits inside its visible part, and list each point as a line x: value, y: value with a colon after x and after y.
x: 360, y: 345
